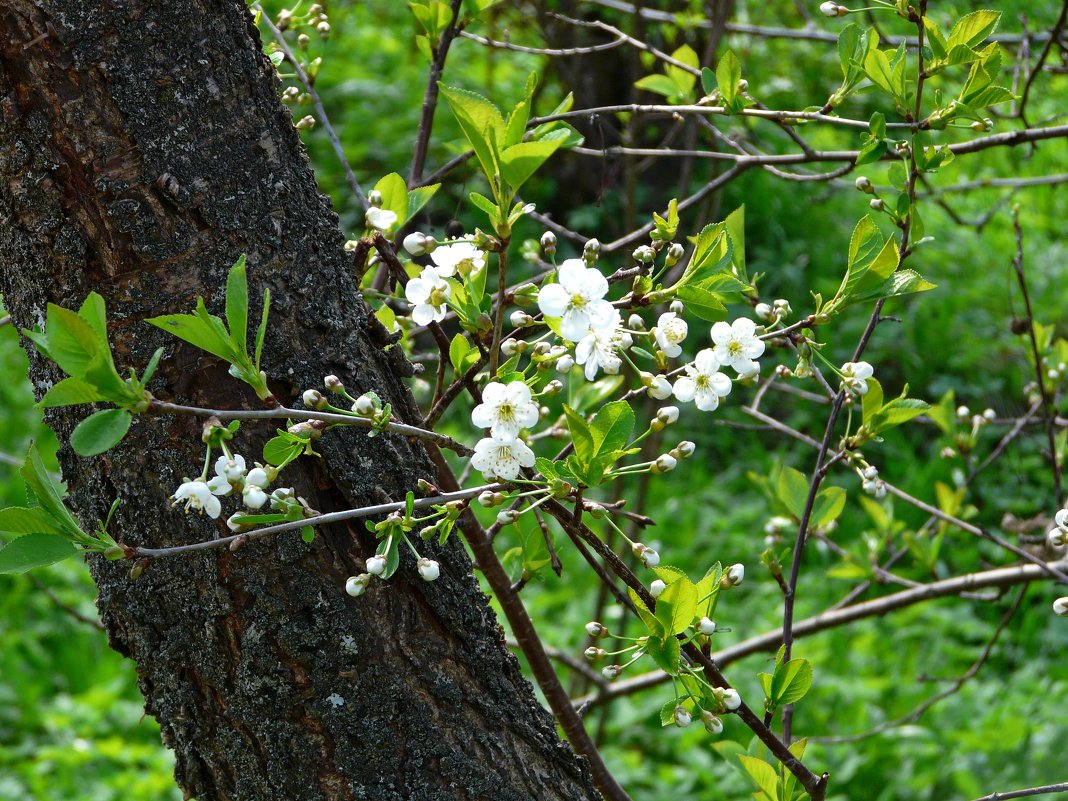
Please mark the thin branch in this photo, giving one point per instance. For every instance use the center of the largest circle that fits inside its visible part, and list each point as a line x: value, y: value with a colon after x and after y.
x: 283, y: 413
x: 770, y: 641
x: 1055, y: 34
x: 430, y: 97
x: 309, y: 87
x: 317, y: 520
x: 1060, y: 787
x: 544, y: 51
x: 1047, y: 402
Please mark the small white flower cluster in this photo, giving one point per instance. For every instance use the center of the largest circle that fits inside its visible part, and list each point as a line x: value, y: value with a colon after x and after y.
x: 430, y: 292
x: 870, y: 481
x: 231, y: 477
x: 506, y: 409
x: 736, y: 346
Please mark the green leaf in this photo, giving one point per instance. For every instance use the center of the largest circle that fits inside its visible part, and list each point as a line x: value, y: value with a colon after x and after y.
x: 196, y: 331
x: 72, y: 342
x: 829, y: 505
x: 684, y: 80
x: 282, y: 449
x: 100, y: 431
x: 702, y: 302
x: 580, y: 435
x: 28, y: 520
x: 665, y: 652
x: 792, y: 489
x: 481, y: 122
x: 394, y: 196
x: 655, y: 627
x: 728, y: 74
x: 872, y: 401
x: 237, y: 304
x: 792, y: 680
x: 34, y: 550
x: 971, y: 29
x: 735, y: 225
x: 903, y: 282
x: 612, y: 426
x: 659, y: 84
x: 898, y: 411
x: 70, y: 392
x: 458, y: 349
x: 763, y: 775
x: 519, y: 162
x: 708, y: 81
x: 36, y: 476
x: 419, y: 197
x: 94, y: 312
x: 261, y: 331
x: 677, y: 605
x: 877, y: 68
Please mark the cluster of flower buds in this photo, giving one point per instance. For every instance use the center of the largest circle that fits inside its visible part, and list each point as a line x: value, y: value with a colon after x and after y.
x: 1057, y: 537
x: 780, y: 309
x: 869, y: 480
x: 231, y: 478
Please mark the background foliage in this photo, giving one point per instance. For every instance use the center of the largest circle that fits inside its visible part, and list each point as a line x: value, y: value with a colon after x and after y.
x: 71, y: 724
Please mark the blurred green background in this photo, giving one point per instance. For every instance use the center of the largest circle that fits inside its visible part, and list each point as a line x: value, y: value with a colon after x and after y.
x: 71, y: 725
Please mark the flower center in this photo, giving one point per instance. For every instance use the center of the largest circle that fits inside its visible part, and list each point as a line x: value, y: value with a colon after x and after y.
x: 506, y: 412
x: 437, y: 297
x: 734, y: 348
x: 578, y: 301
x: 702, y: 382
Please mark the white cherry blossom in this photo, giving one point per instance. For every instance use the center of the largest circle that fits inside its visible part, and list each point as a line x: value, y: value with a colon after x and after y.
x: 460, y: 257
x: 855, y: 377
x: 703, y: 383
x: 381, y: 219
x: 198, y: 497
x: 506, y: 409
x: 501, y: 457
x: 736, y: 344
x: 253, y: 494
x: 228, y: 473
x: 670, y: 332
x: 597, y: 349
x: 577, y: 299
x: 427, y: 294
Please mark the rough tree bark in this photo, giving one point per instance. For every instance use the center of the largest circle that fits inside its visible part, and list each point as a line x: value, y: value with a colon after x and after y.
x: 142, y: 149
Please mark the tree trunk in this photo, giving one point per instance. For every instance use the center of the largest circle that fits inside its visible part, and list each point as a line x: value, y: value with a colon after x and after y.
x: 142, y: 149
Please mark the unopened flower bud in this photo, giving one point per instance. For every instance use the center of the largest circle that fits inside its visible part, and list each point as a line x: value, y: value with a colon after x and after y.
x: 509, y: 347
x: 486, y: 499
x: 594, y: 654
x: 565, y: 363
x: 375, y: 198
x: 877, y: 204
x: 677, y: 306
x: 782, y: 307
x: 595, y: 629
x: 333, y: 383
x: 665, y: 463
x: 520, y: 319
x: 963, y: 412
x: 643, y: 254
x: 674, y: 253
x: 507, y: 517
x: 871, y: 472
x: 415, y: 243
x: 764, y: 312
x: 829, y: 9
x: 990, y: 415
x: 314, y: 399
x: 682, y: 717
x: 730, y: 698
x: 733, y: 577
x: 864, y: 185
x: 554, y: 387
x: 548, y: 243
x: 636, y: 322
x: 610, y: 672
x: 356, y: 585
x: 656, y: 588
x: 660, y: 388
x: 596, y: 510
x: 712, y: 724
x: 376, y: 565
x: 592, y: 246
x: 1060, y: 607
x: 947, y: 453
x: 364, y: 406
x: 303, y: 41
x: 668, y: 415
x: 305, y: 123
x: 706, y: 626
x: 684, y: 450
x: 428, y: 569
